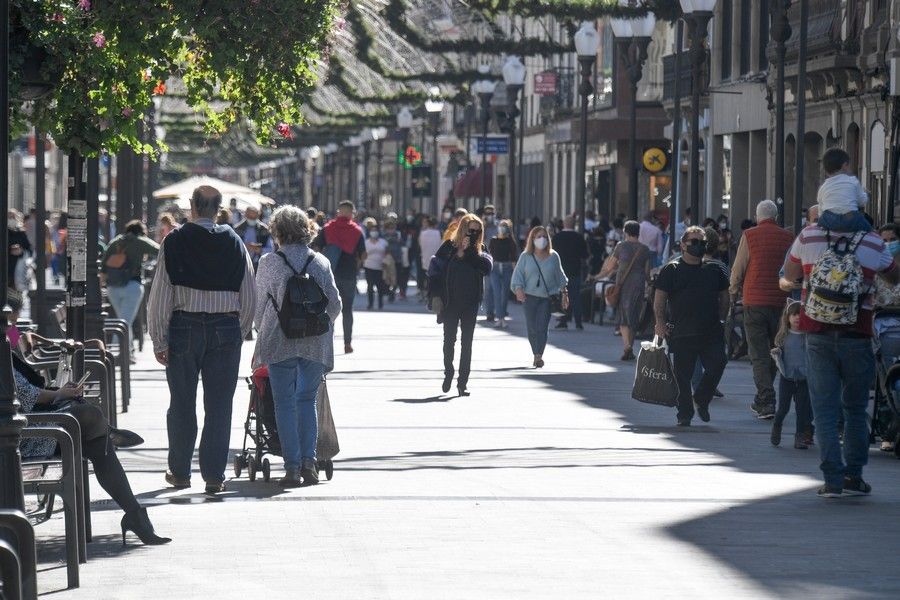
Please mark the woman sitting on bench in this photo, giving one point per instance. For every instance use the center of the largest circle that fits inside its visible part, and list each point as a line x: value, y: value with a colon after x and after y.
x: 98, y: 444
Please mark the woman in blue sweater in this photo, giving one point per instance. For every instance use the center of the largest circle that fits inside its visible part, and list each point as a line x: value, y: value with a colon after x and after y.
x: 538, y: 275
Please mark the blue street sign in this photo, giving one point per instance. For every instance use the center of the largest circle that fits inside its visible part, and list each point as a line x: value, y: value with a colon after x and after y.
x: 495, y: 145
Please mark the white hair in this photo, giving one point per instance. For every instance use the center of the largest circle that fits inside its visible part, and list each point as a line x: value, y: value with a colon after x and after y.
x: 766, y: 210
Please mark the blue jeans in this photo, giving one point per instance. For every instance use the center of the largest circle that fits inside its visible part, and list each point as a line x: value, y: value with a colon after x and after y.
x: 126, y: 300
x: 501, y: 275
x: 295, y: 383
x: 488, y: 300
x: 851, y: 221
x: 537, y: 322
x: 841, y: 370
x: 208, y: 345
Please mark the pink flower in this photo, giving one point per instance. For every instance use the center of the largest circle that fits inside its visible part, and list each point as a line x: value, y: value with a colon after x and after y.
x: 126, y: 112
x: 58, y: 17
x: 84, y: 5
x: 99, y: 39
x: 285, y: 131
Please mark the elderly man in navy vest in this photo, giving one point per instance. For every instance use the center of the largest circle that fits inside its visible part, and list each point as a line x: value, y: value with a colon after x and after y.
x: 756, y: 268
x: 200, y: 309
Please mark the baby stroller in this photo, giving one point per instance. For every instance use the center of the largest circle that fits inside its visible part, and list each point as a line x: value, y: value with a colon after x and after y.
x: 886, y: 412
x: 261, y: 431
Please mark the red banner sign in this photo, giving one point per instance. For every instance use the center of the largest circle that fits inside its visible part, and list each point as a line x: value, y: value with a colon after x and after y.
x: 545, y: 83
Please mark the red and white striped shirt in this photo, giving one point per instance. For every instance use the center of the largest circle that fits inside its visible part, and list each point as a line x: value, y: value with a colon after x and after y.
x: 873, y: 259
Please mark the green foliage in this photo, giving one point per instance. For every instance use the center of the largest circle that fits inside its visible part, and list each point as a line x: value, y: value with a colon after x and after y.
x: 105, y: 59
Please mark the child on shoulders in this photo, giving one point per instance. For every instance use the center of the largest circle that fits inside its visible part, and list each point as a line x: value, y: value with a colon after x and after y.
x: 841, y: 197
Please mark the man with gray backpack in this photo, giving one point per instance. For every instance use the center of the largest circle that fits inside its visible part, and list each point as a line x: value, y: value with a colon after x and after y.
x: 838, y: 270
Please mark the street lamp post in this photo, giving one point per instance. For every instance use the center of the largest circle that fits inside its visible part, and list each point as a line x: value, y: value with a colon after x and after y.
x: 635, y: 35
x: 514, y: 78
x: 780, y: 31
x: 587, y: 41
x: 404, y: 124
x: 698, y: 14
x: 434, y: 106
x: 485, y: 91
x: 367, y: 137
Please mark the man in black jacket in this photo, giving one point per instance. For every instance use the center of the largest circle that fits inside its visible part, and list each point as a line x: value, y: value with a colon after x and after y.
x: 255, y: 235
x: 573, y: 251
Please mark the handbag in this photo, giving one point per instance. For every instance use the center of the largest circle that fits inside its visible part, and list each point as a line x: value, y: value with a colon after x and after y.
x: 327, y: 446
x: 556, y: 305
x: 654, y: 378
x: 612, y: 293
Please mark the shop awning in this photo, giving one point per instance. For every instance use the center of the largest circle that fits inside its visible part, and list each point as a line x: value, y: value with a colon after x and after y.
x: 469, y: 186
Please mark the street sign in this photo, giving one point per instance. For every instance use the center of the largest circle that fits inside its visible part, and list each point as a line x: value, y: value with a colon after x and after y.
x: 545, y: 83
x: 655, y: 160
x: 495, y: 145
x: 420, y: 177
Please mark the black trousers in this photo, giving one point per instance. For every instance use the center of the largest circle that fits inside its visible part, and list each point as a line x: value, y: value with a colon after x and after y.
x: 464, y: 320
x: 375, y: 280
x: 710, y: 351
x: 96, y: 448
x: 347, y: 290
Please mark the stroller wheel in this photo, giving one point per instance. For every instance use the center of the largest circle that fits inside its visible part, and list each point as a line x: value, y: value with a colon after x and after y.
x: 266, y: 470
x: 238, y: 465
x: 251, y: 468
x: 328, y: 467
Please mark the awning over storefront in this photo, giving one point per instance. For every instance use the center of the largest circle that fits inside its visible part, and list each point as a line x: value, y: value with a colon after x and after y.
x: 469, y: 186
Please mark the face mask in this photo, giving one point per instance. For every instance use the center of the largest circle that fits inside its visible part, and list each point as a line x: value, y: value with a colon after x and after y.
x: 504, y: 230
x: 447, y: 216
x: 410, y: 218
x: 373, y: 234
x: 489, y: 219
x: 696, y: 250
x: 251, y: 222
x: 540, y: 243
x: 893, y: 247
x: 723, y: 224
x: 12, y: 224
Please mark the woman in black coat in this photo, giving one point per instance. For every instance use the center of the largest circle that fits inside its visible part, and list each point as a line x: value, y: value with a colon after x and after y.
x: 456, y: 280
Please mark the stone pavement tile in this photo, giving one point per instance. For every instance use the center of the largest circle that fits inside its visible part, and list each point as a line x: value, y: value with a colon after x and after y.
x: 543, y: 483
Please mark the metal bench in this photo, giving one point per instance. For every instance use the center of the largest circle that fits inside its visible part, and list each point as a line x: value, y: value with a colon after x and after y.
x: 18, y: 562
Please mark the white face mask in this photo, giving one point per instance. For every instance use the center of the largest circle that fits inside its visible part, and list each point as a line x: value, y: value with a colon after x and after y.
x: 540, y: 243
x: 251, y: 222
x: 12, y: 224
x: 373, y: 234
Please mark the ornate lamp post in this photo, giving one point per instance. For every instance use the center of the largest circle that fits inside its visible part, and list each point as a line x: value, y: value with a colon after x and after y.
x: 587, y: 41
x: 697, y: 14
x: 378, y: 134
x: 635, y: 35
x: 353, y: 163
x: 780, y: 30
x: 514, y: 78
x: 434, y: 106
x: 484, y: 88
x: 404, y: 124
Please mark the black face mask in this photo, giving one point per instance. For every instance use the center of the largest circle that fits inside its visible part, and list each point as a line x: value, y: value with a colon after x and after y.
x: 696, y: 248
x: 473, y: 239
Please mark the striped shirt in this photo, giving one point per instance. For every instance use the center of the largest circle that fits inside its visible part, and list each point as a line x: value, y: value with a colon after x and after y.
x: 166, y: 298
x: 873, y: 259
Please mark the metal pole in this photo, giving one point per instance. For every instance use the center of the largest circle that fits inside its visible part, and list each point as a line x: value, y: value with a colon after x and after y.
x: 697, y: 26
x: 435, y: 188
x: 367, y: 153
x: 485, y: 121
x: 152, y: 169
x: 107, y: 228
x: 513, y: 113
x: 584, y: 89
x: 520, y: 180
x: 801, y: 118
x: 76, y: 247
x: 676, y: 138
x: 94, y: 299
x: 39, y: 312
x: 11, y: 421
x: 781, y: 31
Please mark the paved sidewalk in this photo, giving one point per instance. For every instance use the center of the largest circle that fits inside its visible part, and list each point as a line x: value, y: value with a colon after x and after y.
x: 547, y: 483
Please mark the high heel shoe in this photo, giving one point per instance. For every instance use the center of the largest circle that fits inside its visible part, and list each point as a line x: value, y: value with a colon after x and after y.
x: 123, y: 438
x: 139, y: 522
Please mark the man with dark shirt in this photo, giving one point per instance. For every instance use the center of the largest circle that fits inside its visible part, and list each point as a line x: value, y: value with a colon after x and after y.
x: 347, y: 236
x: 690, y: 305
x: 573, y: 251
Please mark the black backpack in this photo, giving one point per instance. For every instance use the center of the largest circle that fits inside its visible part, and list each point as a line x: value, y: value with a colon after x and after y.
x: 302, y: 312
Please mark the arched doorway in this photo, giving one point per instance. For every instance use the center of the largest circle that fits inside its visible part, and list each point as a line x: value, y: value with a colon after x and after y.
x: 853, y: 146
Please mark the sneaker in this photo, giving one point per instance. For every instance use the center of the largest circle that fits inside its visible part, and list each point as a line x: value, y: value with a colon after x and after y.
x: 827, y: 491
x: 683, y: 423
x: 177, y: 482
x: 348, y: 349
x: 215, y: 487
x: 579, y: 327
x: 703, y: 412
x: 855, y: 486
x: 489, y: 318
x: 763, y: 411
x: 309, y: 472
x: 562, y: 325
x: 887, y: 446
x: 800, y: 443
x: 718, y: 394
x: 628, y: 354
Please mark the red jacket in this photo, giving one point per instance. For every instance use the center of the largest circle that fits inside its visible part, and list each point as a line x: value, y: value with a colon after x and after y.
x: 767, y: 245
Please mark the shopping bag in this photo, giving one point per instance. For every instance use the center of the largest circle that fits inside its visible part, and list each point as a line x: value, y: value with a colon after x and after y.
x: 327, y: 446
x: 654, y: 379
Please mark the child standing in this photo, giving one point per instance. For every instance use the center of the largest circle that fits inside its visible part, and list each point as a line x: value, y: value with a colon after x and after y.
x: 789, y: 354
x: 841, y: 196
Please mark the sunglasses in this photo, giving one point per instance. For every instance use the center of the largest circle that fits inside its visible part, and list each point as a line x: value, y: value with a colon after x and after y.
x: 474, y: 231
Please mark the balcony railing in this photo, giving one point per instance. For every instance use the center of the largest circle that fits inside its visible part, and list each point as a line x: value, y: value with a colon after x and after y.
x: 833, y: 27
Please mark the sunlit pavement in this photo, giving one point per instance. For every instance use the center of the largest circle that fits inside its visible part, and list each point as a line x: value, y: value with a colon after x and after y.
x: 546, y: 483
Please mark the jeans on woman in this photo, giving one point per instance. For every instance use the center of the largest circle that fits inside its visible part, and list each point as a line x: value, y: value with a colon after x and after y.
x: 463, y: 320
x: 126, y: 300
x: 375, y: 280
x: 537, y: 322
x: 501, y: 275
x: 295, y: 383
x: 797, y: 390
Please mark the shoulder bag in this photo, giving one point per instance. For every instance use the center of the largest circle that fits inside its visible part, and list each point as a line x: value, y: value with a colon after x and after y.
x: 612, y: 292
x: 556, y: 306
x: 118, y: 270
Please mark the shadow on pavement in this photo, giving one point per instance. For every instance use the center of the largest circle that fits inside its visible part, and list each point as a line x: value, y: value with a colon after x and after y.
x: 441, y: 398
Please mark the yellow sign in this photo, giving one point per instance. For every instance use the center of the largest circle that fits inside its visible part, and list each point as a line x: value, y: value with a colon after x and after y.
x: 655, y: 160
